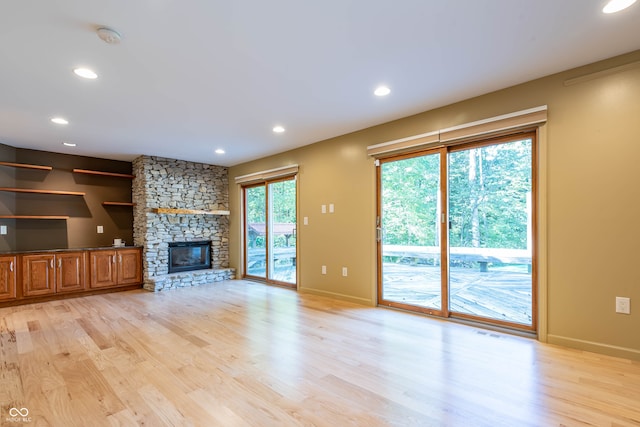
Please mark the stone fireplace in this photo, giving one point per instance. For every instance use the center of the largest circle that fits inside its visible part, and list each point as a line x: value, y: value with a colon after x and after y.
x: 189, y: 256
x: 180, y: 201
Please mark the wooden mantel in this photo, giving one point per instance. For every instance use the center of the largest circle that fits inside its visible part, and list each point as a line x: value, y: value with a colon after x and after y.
x: 188, y: 211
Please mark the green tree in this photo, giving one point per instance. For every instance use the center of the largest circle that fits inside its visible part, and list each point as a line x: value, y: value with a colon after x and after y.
x: 410, y: 201
x: 488, y: 188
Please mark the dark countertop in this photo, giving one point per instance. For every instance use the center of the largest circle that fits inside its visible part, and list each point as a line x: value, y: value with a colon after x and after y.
x: 50, y: 251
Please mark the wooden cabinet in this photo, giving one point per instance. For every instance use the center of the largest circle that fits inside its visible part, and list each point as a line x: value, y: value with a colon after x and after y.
x: 70, y: 272
x: 115, y: 267
x: 38, y: 274
x: 129, y: 266
x: 103, y: 268
x: 8, y: 265
x: 46, y: 274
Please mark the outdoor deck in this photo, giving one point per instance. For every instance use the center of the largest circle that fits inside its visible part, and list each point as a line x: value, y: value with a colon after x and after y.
x: 499, y: 293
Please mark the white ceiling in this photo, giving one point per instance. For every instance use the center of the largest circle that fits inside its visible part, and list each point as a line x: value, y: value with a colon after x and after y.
x: 192, y: 76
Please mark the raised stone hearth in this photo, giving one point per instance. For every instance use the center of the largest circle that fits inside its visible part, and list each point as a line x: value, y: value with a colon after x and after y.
x: 180, y: 186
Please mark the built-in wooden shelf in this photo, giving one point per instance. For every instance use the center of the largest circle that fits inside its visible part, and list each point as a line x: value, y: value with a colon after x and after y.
x: 26, y: 166
x: 189, y: 211
x: 113, y: 174
x: 118, y: 204
x: 29, y: 190
x: 34, y: 217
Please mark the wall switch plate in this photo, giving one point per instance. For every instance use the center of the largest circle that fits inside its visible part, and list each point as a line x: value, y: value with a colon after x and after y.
x: 344, y: 271
x: 331, y: 208
x: 100, y: 229
x: 323, y: 208
x: 3, y: 229
x: 623, y: 305
x: 305, y: 220
x: 324, y: 269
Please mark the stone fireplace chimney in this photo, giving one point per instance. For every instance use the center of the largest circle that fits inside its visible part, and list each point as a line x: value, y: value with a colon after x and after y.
x: 180, y: 186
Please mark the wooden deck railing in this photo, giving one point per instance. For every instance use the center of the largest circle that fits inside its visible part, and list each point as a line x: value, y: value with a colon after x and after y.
x: 483, y: 256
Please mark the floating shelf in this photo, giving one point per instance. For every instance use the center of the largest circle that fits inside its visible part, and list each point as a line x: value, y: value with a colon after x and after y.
x: 188, y: 211
x: 26, y: 166
x: 113, y: 174
x: 118, y: 204
x: 34, y: 217
x: 29, y: 190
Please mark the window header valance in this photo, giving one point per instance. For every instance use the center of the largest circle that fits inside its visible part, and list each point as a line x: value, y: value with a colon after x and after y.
x: 267, y: 175
x: 498, y: 125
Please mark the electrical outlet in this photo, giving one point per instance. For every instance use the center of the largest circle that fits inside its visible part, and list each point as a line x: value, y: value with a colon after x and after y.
x: 100, y: 229
x: 331, y: 208
x: 623, y: 305
x: 3, y: 229
x: 305, y: 220
x: 324, y: 269
x: 323, y: 208
x: 344, y: 271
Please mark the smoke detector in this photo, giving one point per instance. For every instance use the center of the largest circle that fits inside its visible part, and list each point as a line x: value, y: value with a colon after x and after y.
x: 108, y: 35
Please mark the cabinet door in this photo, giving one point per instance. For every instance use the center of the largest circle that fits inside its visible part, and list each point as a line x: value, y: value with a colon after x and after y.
x: 38, y: 275
x: 103, y: 269
x: 7, y: 278
x: 129, y: 266
x: 70, y: 272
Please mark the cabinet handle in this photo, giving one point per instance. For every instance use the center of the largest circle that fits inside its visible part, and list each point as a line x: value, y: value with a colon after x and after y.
x: 59, y: 262
x: 51, y: 263
x: 11, y: 266
x: 120, y: 258
x: 114, y: 258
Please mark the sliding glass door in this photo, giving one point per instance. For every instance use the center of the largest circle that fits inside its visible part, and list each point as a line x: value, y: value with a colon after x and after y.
x: 410, y: 234
x: 271, y: 231
x: 490, y: 237
x: 456, y: 231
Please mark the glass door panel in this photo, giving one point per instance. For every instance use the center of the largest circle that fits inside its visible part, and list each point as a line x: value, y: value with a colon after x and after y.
x: 282, y: 231
x: 256, y: 231
x: 410, y: 232
x: 490, y: 235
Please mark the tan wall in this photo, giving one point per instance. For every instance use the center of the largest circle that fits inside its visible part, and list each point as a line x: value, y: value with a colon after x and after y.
x: 590, y: 208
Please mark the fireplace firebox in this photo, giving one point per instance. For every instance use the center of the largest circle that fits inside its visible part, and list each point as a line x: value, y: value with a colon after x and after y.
x: 187, y: 256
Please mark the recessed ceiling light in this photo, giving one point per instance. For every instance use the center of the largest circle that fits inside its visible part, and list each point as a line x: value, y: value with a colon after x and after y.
x: 382, y: 91
x: 278, y: 129
x: 614, y: 6
x: 60, y: 121
x: 219, y: 151
x: 85, y: 73
x: 69, y: 144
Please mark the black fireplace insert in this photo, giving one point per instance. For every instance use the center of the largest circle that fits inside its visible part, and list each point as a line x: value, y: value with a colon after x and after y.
x: 187, y: 256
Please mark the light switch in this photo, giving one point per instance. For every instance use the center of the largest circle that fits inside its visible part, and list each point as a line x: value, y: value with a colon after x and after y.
x: 331, y: 208
x: 305, y: 220
x: 3, y: 229
x: 323, y: 208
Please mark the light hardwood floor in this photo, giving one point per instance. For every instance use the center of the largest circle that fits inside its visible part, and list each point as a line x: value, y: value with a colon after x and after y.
x: 240, y: 353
